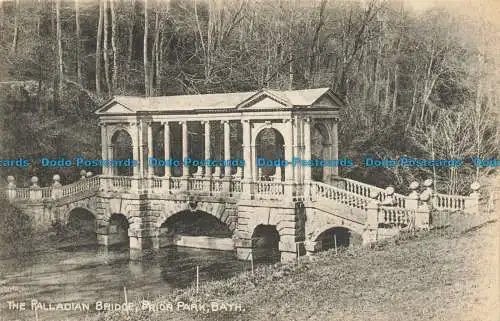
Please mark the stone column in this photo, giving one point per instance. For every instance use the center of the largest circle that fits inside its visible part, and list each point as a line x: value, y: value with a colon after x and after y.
x: 150, y: 149
x: 227, y: 148
x: 307, y: 156
x: 185, y: 154
x: 56, y: 187
x: 110, y: 170
x: 472, y: 203
x: 289, y: 186
x: 253, y: 156
x: 412, y: 200
x: 141, y: 149
x: 11, y: 187
x: 166, y: 144
x: 370, y: 235
x: 334, y: 147
x: 422, y: 214
x: 104, y: 147
x: 35, y: 191
x: 134, y: 131
x: 208, y: 169
x: 296, y: 152
x: 185, y: 148
x: 428, y: 184
x: 247, y: 157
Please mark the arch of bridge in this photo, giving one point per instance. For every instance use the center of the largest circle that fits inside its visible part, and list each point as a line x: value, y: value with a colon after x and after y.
x: 217, y: 210
x: 88, y: 204
x: 318, y: 222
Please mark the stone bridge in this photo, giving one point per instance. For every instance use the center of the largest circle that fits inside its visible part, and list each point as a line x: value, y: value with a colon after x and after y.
x: 347, y: 211
x: 203, y: 153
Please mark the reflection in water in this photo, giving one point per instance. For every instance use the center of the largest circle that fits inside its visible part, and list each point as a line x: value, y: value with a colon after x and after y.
x: 89, y: 273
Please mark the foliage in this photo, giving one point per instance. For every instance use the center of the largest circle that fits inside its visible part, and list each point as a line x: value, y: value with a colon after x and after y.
x: 15, y: 230
x: 399, y: 70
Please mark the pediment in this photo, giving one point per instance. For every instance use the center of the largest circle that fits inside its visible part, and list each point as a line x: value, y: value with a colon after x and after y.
x: 324, y: 101
x: 114, y: 108
x: 266, y: 103
x: 263, y: 100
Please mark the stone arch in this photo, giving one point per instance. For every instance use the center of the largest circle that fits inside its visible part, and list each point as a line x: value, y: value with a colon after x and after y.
x: 271, y: 150
x: 324, y: 129
x: 265, y: 243
x: 114, y: 129
x: 118, y: 227
x: 318, y: 221
x: 218, y: 210
x: 122, y: 144
x: 320, y: 149
x: 198, y: 222
x: 88, y: 204
x: 190, y: 223
x: 256, y: 131
x: 81, y: 225
x: 339, y: 236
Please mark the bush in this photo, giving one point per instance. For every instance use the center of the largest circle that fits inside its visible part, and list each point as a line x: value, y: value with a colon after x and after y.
x: 16, y: 233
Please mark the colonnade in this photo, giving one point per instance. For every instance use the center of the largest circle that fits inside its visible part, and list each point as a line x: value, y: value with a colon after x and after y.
x: 296, y: 132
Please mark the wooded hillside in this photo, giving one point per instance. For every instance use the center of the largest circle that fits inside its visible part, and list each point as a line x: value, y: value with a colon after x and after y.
x: 423, y: 84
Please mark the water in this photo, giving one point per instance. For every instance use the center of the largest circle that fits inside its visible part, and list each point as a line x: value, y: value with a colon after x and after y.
x: 88, y: 274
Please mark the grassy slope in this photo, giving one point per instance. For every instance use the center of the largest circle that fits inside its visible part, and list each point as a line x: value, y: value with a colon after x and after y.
x: 433, y: 277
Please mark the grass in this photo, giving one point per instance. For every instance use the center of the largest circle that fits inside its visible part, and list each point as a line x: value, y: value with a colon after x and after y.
x: 445, y: 274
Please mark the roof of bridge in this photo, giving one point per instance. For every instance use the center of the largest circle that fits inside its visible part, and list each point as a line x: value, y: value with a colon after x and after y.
x: 274, y: 99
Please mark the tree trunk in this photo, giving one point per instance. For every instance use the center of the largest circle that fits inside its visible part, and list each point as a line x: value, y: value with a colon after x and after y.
x: 78, y: 32
x: 155, y: 53
x: 130, y: 50
x: 105, y: 48
x: 16, y: 28
x: 395, y: 93
x: 98, y: 52
x: 2, y: 21
x: 113, y: 44
x: 160, y: 63
x: 145, y: 50
x: 386, y: 96
x: 59, y: 46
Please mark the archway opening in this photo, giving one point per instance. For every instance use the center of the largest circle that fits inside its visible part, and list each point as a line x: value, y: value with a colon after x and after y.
x: 338, y: 236
x: 122, y: 149
x: 270, y: 147
x: 118, y: 230
x: 265, y: 244
x: 197, y: 229
x: 321, y: 149
x: 81, y: 227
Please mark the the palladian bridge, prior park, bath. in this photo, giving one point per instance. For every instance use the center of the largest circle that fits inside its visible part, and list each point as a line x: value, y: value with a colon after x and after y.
x: 295, y: 208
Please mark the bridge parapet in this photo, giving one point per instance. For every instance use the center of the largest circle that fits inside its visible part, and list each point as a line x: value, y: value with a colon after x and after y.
x: 350, y: 193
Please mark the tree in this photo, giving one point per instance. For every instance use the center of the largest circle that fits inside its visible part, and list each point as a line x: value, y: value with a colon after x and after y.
x: 114, y: 45
x: 77, y: 34
x: 59, y: 47
x: 147, y: 86
x: 105, y: 47
x: 98, y: 50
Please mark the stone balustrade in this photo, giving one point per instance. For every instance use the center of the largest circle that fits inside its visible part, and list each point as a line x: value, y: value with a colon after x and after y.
x: 396, y: 208
x: 324, y: 191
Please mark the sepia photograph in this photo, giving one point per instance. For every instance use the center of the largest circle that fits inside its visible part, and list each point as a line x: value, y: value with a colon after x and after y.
x: 248, y: 160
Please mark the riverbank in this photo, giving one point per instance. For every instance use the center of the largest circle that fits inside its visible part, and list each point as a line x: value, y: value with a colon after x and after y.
x: 428, y: 276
